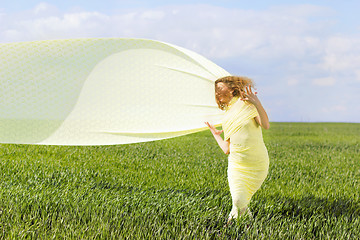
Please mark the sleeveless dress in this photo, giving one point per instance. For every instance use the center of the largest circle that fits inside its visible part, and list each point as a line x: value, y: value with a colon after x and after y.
x: 248, y: 161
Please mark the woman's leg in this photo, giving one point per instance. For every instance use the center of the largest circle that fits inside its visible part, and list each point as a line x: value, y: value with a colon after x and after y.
x: 238, y: 205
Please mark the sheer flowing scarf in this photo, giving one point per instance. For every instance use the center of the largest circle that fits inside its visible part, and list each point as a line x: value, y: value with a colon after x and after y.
x: 103, y: 91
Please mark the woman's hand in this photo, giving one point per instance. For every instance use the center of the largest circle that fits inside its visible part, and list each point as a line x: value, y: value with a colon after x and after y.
x: 262, y: 119
x: 224, y: 145
x: 213, y: 130
x: 250, y: 96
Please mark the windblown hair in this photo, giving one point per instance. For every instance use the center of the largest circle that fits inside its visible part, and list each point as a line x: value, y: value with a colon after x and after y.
x: 235, y: 83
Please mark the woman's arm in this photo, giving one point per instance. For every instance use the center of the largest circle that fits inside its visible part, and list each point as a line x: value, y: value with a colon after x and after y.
x: 262, y: 119
x: 224, y: 145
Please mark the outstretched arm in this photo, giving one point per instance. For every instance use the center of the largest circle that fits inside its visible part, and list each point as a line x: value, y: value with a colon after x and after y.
x: 262, y: 119
x: 224, y: 145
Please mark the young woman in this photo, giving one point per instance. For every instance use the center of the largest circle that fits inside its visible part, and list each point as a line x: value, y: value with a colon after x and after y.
x: 248, y: 160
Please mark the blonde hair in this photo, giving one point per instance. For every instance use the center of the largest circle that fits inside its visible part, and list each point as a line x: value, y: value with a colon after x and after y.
x: 235, y: 83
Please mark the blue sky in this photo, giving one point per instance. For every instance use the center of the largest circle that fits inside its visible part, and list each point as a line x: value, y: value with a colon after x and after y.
x: 303, y: 55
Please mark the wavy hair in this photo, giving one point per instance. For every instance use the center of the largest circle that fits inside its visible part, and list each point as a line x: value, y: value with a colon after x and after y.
x: 235, y: 83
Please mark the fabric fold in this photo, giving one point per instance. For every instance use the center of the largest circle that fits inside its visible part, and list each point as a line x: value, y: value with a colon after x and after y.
x: 236, y: 116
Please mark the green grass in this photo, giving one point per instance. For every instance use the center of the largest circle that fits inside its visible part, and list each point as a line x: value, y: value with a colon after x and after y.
x: 177, y: 188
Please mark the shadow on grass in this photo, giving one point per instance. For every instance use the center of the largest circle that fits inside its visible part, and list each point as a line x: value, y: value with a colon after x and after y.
x: 273, y: 215
x: 309, y: 206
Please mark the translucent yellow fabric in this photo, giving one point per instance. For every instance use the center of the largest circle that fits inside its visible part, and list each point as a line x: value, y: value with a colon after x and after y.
x: 248, y: 159
x: 103, y: 91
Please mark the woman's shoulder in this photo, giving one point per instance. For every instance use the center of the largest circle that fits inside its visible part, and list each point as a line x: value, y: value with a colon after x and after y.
x: 234, y: 102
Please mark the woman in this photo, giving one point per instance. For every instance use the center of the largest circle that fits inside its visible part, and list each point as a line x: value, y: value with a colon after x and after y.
x: 248, y: 160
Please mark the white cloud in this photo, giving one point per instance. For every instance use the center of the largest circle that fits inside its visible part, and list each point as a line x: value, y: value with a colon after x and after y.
x: 327, y: 81
x: 341, y: 53
x: 12, y: 34
x: 334, y: 109
x: 357, y: 75
x: 293, y: 82
x: 153, y: 15
x: 41, y: 7
x: 214, y: 31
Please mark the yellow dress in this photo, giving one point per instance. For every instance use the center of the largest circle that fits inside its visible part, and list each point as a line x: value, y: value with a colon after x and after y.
x: 248, y: 159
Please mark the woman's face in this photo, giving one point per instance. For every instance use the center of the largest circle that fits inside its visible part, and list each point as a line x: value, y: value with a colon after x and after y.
x: 223, y: 93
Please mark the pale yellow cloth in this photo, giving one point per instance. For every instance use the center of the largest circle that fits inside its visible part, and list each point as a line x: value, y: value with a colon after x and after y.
x: 101, y: 91
x: 248, y: 159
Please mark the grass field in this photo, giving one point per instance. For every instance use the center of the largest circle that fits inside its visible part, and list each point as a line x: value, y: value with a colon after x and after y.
x: 177, y: 188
